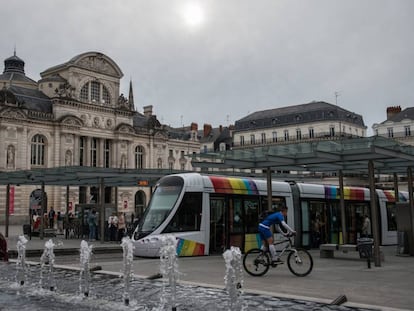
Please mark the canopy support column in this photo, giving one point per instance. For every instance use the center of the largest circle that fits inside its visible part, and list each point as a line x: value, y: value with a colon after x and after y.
x: 7, y: 216
x: 411, y: 210
x: 42, y: 213
x: 269, y: 188
x: 374, y: 213
x: 342, y: 205
x: 102, y: 209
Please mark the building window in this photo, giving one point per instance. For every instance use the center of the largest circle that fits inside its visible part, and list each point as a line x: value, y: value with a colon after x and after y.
x: 252, y: 139
x: 298, y: 134
x: 286, y: 135
x: 95, y: 91
x: 82, y: 141
x: 274, y: 137
x: 241, y: 140
x: 331, y: 131
x: 407, y: 130
x: 38, y: 150
x: 159, y: 163
x: 139, y: 157
x: 107, y: 154
x: 263, y: 138
x: 94, y: 152
x: 311, y: 133
x: 390, y: 132
x: 170, y: 164
x: 205, y: 149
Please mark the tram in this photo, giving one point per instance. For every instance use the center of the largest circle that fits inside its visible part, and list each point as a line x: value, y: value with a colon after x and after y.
x: 209, y: 213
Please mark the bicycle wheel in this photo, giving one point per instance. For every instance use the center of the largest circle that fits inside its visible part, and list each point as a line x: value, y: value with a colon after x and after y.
x: 300, y: 263
x: 256, y: 262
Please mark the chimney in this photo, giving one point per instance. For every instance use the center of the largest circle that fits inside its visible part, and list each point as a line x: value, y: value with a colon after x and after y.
x: 148, y: 111
x: 194, y: 126
x: 392, y: 111
x: 207, y: 130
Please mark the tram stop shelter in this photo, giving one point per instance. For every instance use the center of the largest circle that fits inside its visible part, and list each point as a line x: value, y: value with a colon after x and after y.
x: 358, y: 156
x: 79, y: 176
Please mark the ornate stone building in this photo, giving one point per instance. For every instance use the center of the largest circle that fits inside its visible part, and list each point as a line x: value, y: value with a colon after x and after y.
x: 75, y: 116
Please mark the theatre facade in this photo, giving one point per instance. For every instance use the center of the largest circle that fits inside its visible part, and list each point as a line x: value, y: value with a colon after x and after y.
x: 76, y: 116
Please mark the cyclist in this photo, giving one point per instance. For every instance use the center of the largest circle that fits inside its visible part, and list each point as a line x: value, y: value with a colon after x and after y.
x: 277, y: 218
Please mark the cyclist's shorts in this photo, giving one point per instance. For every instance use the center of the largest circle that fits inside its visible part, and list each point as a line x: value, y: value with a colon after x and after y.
x: 264, y: 232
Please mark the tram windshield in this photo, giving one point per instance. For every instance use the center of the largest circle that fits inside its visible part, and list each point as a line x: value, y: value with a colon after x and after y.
x: 162, y: 202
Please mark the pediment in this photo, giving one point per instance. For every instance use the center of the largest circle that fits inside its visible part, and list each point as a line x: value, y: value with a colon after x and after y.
x: 13, y: 114
x: 160, y: 135
x: 125, y: 128
x: 71, y: 121
x: 98, y: 62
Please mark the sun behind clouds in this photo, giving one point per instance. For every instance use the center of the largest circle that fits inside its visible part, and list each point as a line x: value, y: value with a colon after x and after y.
x: 192, y: 14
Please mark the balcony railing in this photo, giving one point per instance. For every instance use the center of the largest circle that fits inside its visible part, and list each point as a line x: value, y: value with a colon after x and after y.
x: 293, y: 139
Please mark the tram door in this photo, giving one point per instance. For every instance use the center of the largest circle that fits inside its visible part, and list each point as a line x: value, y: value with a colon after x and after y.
x: 318, y: 223
x: 354, y: 219
x: 218, y: 209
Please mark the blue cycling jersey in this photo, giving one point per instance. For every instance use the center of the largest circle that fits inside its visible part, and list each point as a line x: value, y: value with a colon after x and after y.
x: 273, y: 219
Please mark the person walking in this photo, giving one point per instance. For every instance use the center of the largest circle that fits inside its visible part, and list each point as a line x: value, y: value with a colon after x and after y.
x: 366, y: 227
x: 51, y: 217
x: 92, y: 222
x: 113, y: 226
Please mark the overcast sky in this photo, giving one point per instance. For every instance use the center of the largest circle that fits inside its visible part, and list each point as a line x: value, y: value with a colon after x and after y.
x: 223, y: 59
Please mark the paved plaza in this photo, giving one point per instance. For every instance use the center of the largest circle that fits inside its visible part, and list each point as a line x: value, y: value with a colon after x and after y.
x: 388, y: 287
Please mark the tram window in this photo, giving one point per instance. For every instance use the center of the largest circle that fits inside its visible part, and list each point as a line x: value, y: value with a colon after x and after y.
x: 251, y: 208
x: 236, y: 217
x: 391, y: 217
x: 188, y: 215
x: 277, y: 203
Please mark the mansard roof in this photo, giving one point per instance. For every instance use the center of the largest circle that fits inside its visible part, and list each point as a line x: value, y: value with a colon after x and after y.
x: 292, y: 115
x: 407, y: 113
x: 30, y: 99
x: 92, y: 61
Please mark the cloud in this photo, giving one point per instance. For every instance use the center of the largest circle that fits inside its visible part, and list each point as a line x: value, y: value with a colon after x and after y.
x: 246, y: 56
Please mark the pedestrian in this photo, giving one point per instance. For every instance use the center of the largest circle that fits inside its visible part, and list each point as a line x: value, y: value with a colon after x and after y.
x: 366, y: 227
x: 92, y: 222
x: 113, y: 226
x: 51, y: 217
x: 316, y: 232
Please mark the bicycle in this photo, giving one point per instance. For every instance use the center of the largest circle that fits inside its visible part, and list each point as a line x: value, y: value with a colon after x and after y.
x: 257, y: 262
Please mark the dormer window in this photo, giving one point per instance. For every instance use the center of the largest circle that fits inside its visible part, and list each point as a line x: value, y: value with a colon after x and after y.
x: 95, y: 92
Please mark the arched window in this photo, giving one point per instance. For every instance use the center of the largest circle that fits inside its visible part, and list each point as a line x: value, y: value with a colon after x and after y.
x: 95, y: 91
x: 139, y: 157
x: 140, y: 202
x: 38, y: 150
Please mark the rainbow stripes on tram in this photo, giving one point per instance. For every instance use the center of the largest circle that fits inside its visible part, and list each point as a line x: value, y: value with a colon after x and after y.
x: 189, y: 248
x: 390, y: 195
x: 233, y: 185
x: 350, y: 193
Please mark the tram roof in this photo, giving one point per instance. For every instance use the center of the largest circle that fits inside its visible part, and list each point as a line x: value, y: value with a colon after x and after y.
x: 350, y: 155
